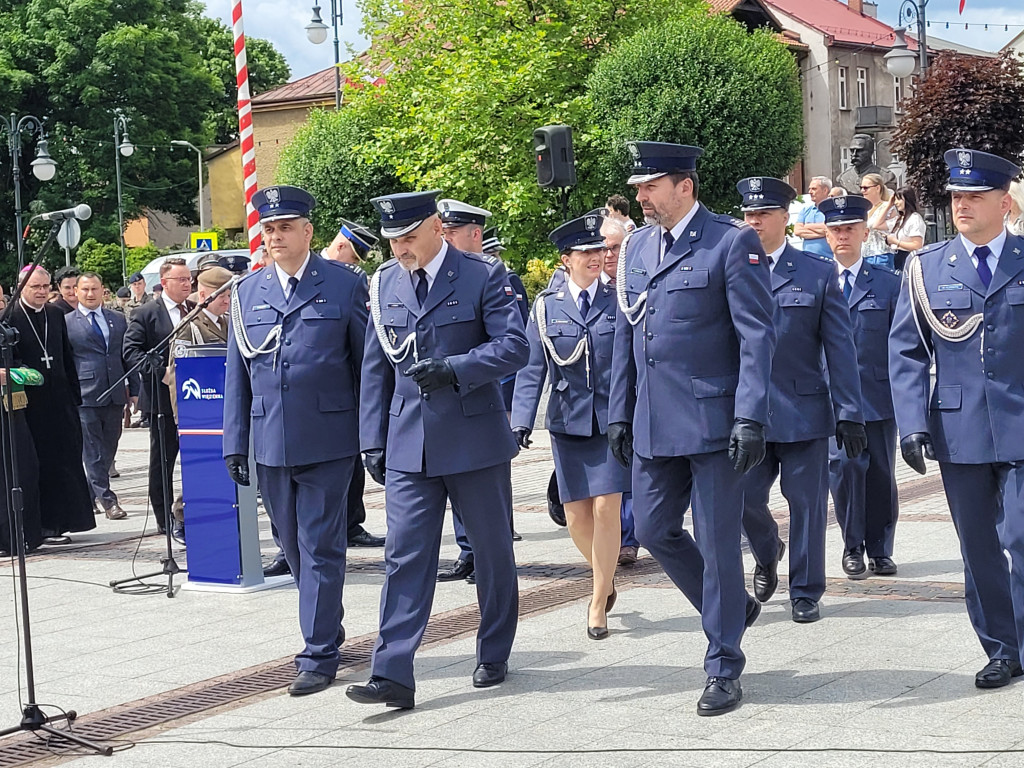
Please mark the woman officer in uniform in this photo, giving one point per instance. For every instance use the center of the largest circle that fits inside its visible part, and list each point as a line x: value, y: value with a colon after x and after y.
x: 571, y: 331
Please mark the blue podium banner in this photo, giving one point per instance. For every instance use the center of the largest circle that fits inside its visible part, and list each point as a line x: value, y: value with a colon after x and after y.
x: 211, y: 502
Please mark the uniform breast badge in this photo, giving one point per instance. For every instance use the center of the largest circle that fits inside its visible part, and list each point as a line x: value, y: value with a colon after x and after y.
x: 392, y: 336
x: 950, y: 320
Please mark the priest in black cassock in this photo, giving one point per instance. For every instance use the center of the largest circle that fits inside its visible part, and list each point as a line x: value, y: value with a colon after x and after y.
x: 65, y: 501
x: 28, y: 480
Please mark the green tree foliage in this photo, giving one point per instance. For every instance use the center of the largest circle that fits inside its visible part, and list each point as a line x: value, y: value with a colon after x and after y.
x: 73, y: 62
x: 704, y: 80
x: 332, y: 157
x: 105, y: 260
x: 965, y: 101
x: 467, y: 81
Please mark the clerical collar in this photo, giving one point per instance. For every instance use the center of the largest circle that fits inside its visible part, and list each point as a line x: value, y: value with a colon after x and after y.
x: 29, y: 307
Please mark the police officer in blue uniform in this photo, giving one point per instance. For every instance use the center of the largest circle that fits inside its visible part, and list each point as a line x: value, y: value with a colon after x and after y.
x: 807, y: 406
x: 444, y: 330
x: 864, y: 488
x: 572, y: 333
x: 961, y: 307
x: 690, y: 373
x: 293, y: 369
x: 463, y: 226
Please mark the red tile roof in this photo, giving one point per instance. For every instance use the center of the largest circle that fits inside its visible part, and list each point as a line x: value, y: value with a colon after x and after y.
x: 836, y: 20
x: 314, y: 88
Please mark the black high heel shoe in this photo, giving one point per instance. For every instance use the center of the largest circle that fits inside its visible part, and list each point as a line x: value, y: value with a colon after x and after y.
x: 596, y: 633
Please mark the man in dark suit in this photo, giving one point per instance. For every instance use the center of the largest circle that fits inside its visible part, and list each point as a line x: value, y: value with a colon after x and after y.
x: 864, y: 488
x: 150, y: 324
x: 293, y: 367
x: 960, y: 308
x: 690, y: 374
x: 97, y: 339
x: 807, y: 405
x: 444, y: 331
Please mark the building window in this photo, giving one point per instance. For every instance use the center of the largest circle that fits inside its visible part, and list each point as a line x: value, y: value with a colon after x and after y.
x: 844, y: 90
x: 862, y: 86
x: 844, y: 158
x: 897, y: 93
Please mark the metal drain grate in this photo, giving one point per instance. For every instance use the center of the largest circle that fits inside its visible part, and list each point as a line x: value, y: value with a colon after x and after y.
x: 571, y: 584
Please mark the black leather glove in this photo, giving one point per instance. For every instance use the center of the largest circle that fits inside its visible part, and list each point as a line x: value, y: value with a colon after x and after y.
x: 915, y: 449
x: 153, y: 363
x: 432, y: 374
x: 522, y: 435
x: 746, y: 445
x: 853, y: 436
x: 238, y: 468
x: 374, y: 463
x: 620, y: 440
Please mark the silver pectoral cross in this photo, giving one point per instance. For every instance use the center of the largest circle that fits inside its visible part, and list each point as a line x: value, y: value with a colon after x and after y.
x: 47, y: 358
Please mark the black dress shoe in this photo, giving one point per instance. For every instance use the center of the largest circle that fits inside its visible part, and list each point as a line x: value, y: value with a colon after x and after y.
x: 365, y: 539
x: 997, y: 673
x: 306, y: 683
x: 277, y: 568
x: 556, y: 511
x: 720, y: 695
x: 378, y: 690
x: 766, y: 577
x: 471, y: 579
x: 610, y: 603
x: 805, y: 610
x: 753, y: 611
x: 516, y: 536
x: 461, y: 570
x: 853, y: 563
x: 487, y: 675
x: 882, y: 566
x: 597, y: 633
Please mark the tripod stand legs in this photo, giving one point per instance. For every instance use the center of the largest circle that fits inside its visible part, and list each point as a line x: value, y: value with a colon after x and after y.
x: 34, y: 720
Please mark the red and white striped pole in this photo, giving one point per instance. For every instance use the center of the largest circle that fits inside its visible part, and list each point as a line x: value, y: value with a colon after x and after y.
x: 245, y: 126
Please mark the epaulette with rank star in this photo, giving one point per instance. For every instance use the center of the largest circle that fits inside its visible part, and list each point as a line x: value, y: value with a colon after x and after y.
x: 817, y: 257
x: 929, y: 249
x: 725, y: 218
x: 482, y: 257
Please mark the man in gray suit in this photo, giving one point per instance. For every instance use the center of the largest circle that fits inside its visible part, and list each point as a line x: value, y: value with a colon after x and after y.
x: 97, y: 335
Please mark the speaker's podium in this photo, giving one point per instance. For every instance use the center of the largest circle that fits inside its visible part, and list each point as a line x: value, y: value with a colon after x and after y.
x: 221, y: 523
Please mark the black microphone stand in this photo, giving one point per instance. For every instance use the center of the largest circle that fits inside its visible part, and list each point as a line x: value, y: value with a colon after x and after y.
x: 32, y: 717
x: 154, y: 357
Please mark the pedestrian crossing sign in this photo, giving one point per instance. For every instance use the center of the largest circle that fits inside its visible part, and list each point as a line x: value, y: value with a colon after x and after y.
x: 202, y: 241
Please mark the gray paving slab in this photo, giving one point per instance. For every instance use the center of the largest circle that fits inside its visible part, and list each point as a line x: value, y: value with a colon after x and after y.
x: 876, y: 672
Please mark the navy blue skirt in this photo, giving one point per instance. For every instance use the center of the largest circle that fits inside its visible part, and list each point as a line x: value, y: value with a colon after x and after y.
x: 586, y: 468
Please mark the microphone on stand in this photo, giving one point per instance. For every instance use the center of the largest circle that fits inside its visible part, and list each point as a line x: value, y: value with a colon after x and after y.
x: 81, y: 212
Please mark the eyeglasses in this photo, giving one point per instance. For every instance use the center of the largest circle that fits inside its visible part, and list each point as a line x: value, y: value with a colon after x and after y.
x: 869, y: 186
x: 177, y: 279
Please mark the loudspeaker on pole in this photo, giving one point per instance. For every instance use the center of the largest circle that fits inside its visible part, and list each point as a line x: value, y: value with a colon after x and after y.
x: 556, y: 164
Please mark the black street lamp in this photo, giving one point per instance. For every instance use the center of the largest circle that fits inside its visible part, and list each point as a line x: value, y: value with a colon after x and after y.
x: 43, y: 167
x: 122, y: 146
x: 316, y: 32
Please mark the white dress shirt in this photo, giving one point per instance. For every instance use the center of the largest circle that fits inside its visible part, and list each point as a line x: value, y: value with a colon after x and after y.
x: 774, y: 256
x: 575, y: 291
x: 99, y: 319
x: 678, y: 229
x: 854, y: 271
x: 284, y: 277
x: 172, y: 309
x: 433, y: 267
x: 996, y: 246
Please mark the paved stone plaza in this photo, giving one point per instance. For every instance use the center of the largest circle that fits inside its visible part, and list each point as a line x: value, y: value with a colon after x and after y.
x: 199, y: 680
